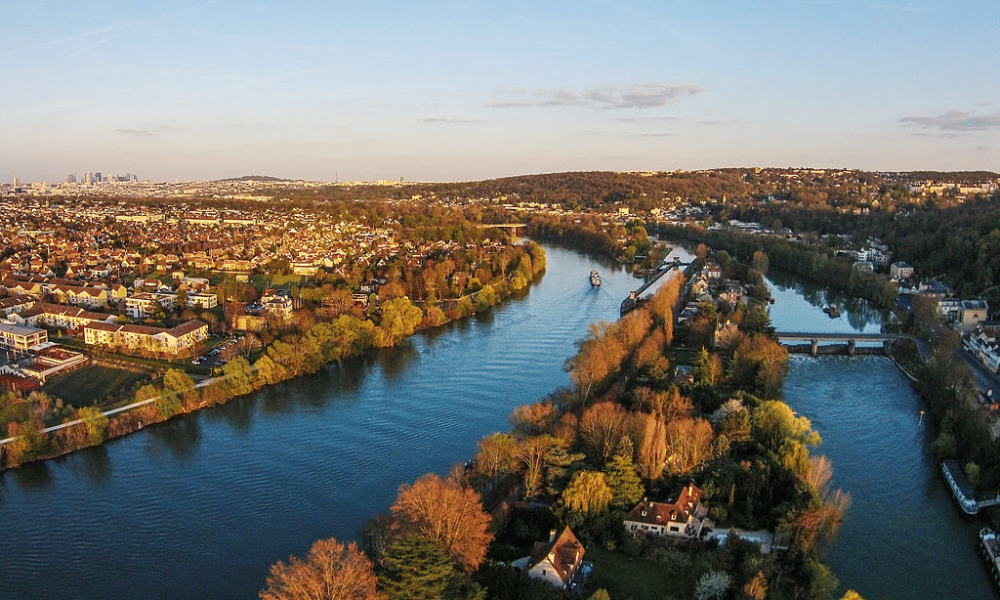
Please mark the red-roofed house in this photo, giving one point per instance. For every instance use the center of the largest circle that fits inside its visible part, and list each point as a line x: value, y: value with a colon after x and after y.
x: 556, y: 561
x: 682, y: 518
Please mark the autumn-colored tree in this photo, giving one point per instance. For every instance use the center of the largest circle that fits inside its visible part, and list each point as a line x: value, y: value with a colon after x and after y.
x: 602, y: 427
x: 588, y: 492
x: 495, y: 456
x: 688, y: 445
x: 756, y: 588
x: 533, y: 419
x: 330, y: 571
x: 652, y: 448
x: 448, y: 513
x: 531, y: 455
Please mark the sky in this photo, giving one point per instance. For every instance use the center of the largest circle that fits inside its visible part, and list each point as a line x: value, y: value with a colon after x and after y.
x: 463, y: 90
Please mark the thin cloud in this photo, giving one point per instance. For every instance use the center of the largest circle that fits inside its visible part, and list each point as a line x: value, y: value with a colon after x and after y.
x: 871, y: 5
x: 139, y: 26
x: 646, y: 119
x: 955, y: 120
x: 452, y: 121
x: 983, y: 148
x: 637, y: 96
x: 143, y: 132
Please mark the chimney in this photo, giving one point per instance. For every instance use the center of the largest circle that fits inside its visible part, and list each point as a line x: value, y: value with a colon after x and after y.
x: 552, y: 535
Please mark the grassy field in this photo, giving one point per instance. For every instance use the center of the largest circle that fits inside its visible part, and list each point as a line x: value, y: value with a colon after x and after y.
x: 91, y: 384
x: 276, y: 281
x: 636, y: 578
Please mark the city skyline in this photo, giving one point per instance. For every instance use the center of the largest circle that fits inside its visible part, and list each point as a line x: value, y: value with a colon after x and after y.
x: 463, y: 91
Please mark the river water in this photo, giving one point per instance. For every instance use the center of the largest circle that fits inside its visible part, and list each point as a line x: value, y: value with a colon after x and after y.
x: 903, y: 537
x: 201, y: 506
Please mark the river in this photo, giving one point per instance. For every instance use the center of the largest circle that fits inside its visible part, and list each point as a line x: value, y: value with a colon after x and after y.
x: 199, y: 507
x: 903, y: 537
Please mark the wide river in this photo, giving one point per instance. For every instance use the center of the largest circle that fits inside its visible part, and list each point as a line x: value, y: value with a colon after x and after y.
x: 198, y: 508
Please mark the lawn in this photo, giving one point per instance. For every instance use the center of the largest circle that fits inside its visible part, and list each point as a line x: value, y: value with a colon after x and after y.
x: 91, y: 384
x: 636, y: 578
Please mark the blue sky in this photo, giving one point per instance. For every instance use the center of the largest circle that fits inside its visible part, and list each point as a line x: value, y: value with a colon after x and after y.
x: 467, y: 90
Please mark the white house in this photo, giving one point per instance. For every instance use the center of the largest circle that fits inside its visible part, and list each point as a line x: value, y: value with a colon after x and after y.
x: 556, y: 561
x: 682, y: 518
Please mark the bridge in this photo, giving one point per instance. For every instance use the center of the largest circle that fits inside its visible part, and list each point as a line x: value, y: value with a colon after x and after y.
x: 849, y: 345
x: 513, y: 226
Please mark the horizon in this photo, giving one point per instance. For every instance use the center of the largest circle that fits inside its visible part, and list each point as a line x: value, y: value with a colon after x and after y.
x: 450, y: 92
x: 277, y: 179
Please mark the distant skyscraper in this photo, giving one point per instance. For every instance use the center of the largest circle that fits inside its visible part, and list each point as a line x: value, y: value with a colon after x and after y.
x: 17, y: 182
x: 71, y: 178
x: 98, y: 178
x: 88, y: 178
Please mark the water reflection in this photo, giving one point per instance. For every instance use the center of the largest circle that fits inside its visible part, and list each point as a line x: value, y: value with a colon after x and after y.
x: 94, y: 463
x: 181, y: 436
x: 397, y: 361
x: 237, y: 413
x: 31, y: 476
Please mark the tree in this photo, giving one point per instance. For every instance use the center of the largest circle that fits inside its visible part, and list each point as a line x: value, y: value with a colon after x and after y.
x: 602, y: 428
x: 652, y: 448
x: 496, y: 455
x: 588, y: 492
x: 626, y: 485
x: 709, y: 367
x: 712, y: 585
x: 756, y: 588
x: 399, y: 319
x: 448, y: 513
x: 330, y: 571
x: 238, y: 377
x: 420, y: 569
x: 180, y: 383
x: 95, y: 423
x: 774, y: 423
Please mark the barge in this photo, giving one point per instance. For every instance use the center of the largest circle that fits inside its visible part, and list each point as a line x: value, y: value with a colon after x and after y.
x: 595, y: 279
x: 960, y: 488
x: 989, y: 545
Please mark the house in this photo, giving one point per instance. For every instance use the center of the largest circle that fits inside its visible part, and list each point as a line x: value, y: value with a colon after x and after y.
x: 984, y: 343
x: 59, y: 316
x: 973, y: 312
x: 172, y: 341
x: 556, y: 561
x: 20, y: 338
x: 146, y: 304
x: 16, y: 304
x: 900, y: 270
x: 682, y: 518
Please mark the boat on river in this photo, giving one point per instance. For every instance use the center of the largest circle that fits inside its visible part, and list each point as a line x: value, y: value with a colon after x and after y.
x: 595, y: 279
x: 989, y: 545
x: 960, y: 488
